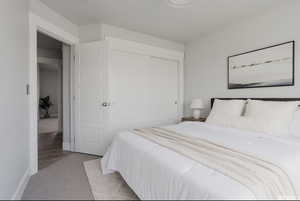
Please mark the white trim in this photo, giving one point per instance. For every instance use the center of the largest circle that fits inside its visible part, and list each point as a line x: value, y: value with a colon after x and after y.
x: 66, y: 100
x: 36, y: 23
x: 22, y: 186
x: 140, y: 48
x: 73, y: 93
x: 52, y: 30
x: 67, y: 146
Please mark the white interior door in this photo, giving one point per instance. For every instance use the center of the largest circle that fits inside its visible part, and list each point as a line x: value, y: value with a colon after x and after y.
x: 163, y: 90
x: 91, y: 87
x: 143, y: 91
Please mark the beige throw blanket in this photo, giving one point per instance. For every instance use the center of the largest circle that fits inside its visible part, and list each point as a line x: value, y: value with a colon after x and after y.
x: 264, y: 179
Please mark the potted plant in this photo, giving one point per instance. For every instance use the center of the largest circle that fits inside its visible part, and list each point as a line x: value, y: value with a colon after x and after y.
x: 45, y: 104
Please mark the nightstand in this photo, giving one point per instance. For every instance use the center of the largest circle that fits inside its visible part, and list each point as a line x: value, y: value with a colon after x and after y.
x: 192, y: 119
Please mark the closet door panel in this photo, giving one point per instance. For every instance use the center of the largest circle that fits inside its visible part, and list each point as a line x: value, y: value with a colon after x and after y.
x: 143, y: 91
x: 127, y: 90
x: 162, y: 90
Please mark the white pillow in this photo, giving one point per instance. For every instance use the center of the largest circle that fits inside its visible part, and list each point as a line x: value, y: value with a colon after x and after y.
x: 295, y: 125
x: 276, y: 116
x: 240, y: 122
x: 249, y: 124
x: 224, y: 110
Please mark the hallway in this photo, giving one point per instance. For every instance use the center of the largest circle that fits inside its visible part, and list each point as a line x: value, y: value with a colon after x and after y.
x: 50, y: 149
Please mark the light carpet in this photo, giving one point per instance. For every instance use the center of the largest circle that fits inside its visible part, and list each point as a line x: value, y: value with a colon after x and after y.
x: 65, y: 179
x: 107, y: 187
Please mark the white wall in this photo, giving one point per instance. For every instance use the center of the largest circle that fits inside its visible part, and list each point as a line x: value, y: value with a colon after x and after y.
x: 206, y: 59
x: 96, y: 32
x: 48, y: 87
x: 40, y: 9
x: 14, y: 124
x: 117, y: 32
x: 90, y: 33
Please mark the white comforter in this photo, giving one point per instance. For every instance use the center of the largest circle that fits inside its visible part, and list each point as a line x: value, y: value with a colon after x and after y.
x: 155, y: 172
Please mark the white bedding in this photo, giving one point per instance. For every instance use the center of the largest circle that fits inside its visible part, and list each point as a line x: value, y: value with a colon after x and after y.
x: 155, y: 172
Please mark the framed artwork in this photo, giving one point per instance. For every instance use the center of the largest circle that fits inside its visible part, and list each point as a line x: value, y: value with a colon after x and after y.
x: 272, y: 66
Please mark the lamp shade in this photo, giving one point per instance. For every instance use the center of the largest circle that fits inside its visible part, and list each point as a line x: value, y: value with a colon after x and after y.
x: 179, y: 3
x: 197, y: 104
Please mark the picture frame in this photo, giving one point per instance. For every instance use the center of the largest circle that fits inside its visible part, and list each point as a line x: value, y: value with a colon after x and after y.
x: 272, y: 66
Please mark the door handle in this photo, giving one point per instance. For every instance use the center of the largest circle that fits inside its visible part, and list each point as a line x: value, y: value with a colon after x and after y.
x: 105, y: 104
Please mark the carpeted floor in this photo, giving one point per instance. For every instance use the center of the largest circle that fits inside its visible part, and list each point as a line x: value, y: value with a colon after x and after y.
x: 107, y: 187
x: 63, y: 180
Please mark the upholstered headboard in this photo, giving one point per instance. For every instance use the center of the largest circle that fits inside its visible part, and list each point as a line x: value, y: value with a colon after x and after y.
x: 263, y: 99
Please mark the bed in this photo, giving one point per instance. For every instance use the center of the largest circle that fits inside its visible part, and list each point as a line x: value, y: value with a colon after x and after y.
x: 163, y: 171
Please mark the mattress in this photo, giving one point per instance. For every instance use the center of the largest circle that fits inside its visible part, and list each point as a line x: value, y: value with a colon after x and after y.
x: 155, y: 172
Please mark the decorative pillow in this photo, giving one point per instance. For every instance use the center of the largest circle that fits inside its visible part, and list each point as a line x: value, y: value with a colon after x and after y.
x: 277, y: 116
x: 224, y: 110
x: 295, y: 125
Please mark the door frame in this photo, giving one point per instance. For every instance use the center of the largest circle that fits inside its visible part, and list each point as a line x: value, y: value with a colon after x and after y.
x: 38, y: 24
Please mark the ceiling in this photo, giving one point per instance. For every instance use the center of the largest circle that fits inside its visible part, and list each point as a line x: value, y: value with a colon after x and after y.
x: 157, y: 18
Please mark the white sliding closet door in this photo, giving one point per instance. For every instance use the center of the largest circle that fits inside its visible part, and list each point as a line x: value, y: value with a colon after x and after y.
x: 143, y: 91
x: 162, y: 90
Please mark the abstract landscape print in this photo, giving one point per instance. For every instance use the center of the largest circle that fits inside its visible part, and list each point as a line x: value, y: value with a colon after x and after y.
x: 267, y: 67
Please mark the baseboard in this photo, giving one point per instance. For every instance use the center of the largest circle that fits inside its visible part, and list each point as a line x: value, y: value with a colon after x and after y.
x: 22, y: 186
x: 66, y: 146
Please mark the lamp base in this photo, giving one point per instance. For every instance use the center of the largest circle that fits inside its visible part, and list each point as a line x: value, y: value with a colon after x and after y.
x: 196, y: 114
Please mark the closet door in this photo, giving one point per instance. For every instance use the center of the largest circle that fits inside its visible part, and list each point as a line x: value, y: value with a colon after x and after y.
x: 127, y: 91
x: 162, y: 93
x: 143, y: 91
x: 91, y: 88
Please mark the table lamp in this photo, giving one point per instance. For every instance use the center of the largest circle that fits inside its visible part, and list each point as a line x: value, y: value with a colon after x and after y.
x: 196, y: 106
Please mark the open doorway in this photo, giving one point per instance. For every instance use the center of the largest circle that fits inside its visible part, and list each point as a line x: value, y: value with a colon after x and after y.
x: 70, y: 42
x: 53, y: 88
